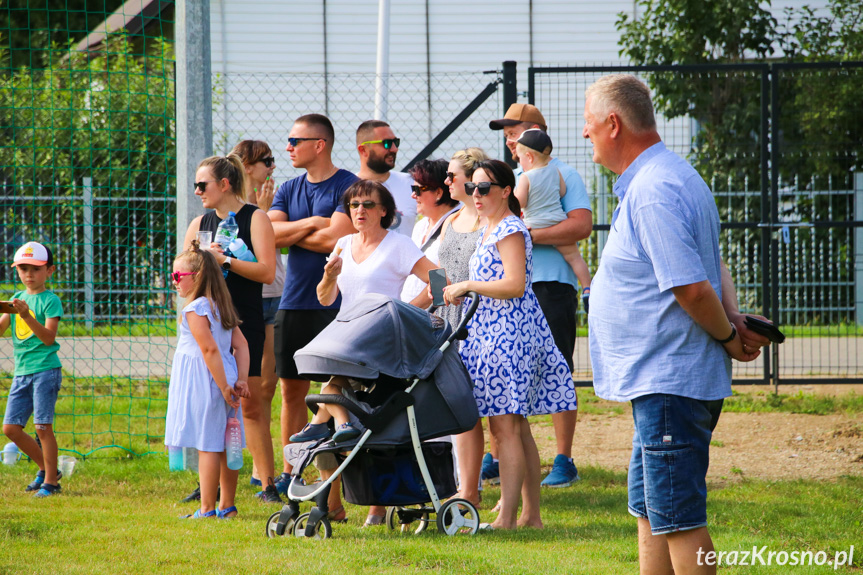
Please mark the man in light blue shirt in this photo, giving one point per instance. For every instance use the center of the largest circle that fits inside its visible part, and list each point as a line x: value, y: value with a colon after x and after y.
x: 663, y: 323
x: 554, y: 282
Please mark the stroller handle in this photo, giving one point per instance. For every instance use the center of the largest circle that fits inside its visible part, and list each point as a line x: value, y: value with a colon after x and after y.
x: 461, y: 331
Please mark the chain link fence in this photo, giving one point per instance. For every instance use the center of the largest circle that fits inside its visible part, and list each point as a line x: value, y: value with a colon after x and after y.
x: 263, y: 107
x: 87, y: 167
x: 780, y: 146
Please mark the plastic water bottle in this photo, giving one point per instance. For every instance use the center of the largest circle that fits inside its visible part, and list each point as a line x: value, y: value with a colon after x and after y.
x: 233, y: 442
x: 241, y: 251
x: 227, y: 231
x: 175, y: 458
x: 190, y: 459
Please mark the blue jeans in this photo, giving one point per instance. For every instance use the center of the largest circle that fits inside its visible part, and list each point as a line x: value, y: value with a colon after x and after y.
x: 35, y: 394
x: 670, y: 456
x: 271, y: 306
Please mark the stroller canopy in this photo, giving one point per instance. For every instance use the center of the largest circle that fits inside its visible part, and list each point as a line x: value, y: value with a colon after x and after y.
x: 376, y: 335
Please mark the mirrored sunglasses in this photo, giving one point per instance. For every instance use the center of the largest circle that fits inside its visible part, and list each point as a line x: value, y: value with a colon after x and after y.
x: 388, y: 143
x: 294, y: 141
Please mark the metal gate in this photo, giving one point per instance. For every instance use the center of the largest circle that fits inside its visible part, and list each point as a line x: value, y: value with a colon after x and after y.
x: 781, y: 146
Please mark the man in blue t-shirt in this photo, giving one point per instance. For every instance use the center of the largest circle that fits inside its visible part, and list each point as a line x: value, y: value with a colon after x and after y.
x: 307, y: 217
x: 554, y: 282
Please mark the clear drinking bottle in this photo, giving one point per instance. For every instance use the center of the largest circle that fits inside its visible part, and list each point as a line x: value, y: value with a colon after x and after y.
x: 233, y: 442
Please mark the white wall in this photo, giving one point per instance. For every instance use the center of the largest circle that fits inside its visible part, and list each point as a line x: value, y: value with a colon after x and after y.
x: 282, y: 39
x: 287, y: 36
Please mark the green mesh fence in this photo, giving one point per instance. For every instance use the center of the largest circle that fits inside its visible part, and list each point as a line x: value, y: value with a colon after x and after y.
x: 87, y: 164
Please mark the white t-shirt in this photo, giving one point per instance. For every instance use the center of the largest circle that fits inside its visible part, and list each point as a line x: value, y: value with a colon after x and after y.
x: 414, y: 285
x: 399, y: 185
x: 383, y: 272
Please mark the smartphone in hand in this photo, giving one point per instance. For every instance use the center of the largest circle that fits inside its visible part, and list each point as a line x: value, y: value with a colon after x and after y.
x: 764, y: 328
x: 437, y: 281
x: 7, y: 307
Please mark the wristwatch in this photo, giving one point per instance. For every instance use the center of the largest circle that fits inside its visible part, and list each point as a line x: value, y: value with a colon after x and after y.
x: 226, y: 265
x: 729, y: 338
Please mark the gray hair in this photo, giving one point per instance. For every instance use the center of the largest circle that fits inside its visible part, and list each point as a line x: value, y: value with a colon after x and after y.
x: 626, y: 96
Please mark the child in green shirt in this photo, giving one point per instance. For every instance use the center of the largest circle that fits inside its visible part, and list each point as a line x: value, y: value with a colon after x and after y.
x: 38, y: 374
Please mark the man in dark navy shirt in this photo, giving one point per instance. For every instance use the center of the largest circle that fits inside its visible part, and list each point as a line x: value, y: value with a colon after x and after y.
x: 307, y: 216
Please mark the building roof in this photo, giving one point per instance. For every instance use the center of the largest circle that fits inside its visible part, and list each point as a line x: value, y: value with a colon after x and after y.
x: 133, y: 17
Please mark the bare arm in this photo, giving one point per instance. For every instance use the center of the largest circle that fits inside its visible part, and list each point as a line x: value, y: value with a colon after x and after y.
x: 421, y: 270
x: 511, y: 285
x: 241, y: 355
x: 5, y: 322
x: 328, y: 290
x: 729, y: 303
x: 200, y: 328
x: 703, y: 306
x: 263, y: 270
x: 522, y: 191
x: 324, y: 240
x: 191, y: 232
x: 577, y: 226
x: 47, y: 333
x: 289, y: 233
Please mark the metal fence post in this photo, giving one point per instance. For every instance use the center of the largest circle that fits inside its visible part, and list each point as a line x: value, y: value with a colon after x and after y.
x: 510, y: 95
x: 858, y: 246
x: 194, y: 86
x: 89, y: 276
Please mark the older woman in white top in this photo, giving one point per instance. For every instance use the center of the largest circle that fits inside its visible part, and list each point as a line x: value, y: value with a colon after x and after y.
x: 434, y: 204
x: 373, y: 260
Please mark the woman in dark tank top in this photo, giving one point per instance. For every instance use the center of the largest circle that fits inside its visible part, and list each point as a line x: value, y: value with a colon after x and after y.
x: 221, y: 187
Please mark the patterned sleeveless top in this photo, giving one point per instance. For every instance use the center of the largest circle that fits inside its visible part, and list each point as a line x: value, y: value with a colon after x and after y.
x: 454, y: 254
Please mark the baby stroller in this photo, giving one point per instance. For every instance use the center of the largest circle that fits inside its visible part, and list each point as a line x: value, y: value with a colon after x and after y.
x: 417, y: 390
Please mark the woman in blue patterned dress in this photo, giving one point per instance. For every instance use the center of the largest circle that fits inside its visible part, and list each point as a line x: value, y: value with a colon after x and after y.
x: 516, y: 368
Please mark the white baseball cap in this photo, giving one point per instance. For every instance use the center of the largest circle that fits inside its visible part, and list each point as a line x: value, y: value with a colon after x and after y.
x: 33, y: 253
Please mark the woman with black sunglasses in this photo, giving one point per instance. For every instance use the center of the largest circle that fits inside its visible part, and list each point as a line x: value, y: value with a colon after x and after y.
x: 259, y: 165
x: 516, y: 368
x: 434, y: 204
x: 220, y: 183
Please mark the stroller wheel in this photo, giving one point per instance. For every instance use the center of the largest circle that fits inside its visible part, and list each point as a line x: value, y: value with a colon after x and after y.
x: 458, y: 517
x: 393, y: 520
x: 273, y: 522
x: 323, y: 530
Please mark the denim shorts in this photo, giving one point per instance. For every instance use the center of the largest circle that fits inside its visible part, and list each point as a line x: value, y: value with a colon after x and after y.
x: 670, y: 456
x: 35, y: 394
x: 271, y: 306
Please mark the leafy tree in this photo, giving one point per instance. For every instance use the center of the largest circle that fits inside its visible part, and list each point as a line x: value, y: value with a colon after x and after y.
x: 108, y: 118
x: 819, y: 117
x: 820, y: 111
x: 31, y: 27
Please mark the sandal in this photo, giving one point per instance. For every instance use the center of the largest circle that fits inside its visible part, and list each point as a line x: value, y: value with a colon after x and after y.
x: 374, y: 520
x: 198, y: 515
x: 47, y: 490
x: 40, y: 478
x: 333, y: 515
x: 223, y: 513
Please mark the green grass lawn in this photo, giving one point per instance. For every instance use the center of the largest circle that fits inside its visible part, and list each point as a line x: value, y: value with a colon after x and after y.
x: 121, y: 516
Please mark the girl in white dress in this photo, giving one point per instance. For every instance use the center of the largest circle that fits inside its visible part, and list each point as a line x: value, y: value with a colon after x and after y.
x: 206, y: 378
